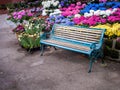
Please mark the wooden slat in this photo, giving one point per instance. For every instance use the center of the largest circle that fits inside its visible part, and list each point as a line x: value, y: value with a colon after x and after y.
x: 85, y: 40
x: 93, y: 32
x: 76, y: 33
x: 79, y: 34
x: 70, y: 45
x: 78, y: 29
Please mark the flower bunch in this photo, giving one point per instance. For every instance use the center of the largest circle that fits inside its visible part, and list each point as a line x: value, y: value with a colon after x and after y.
x: 59, y: 19
x: 50, y: 4
x: 112, y: 30
x: 66, y: 3
x: 50, y: 7
x: 100, y: 6
x: 115, y: 17
x: 19, y: 29
x: 102, y: 0
x: 90, y: 21
x: 72, y: 9
x: 103, y: 13
x: 20, y: 16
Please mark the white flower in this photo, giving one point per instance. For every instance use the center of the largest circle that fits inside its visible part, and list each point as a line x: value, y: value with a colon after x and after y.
x: 102, y: 12
x: 108, y: 12
x: 44, y: 13
x: 86, y: 14
x: 97, y: 13
x: 92, y: 11
x: 104, y: 16
x: 77, y: 15
x: 55, y: 4
x: 115, y: 9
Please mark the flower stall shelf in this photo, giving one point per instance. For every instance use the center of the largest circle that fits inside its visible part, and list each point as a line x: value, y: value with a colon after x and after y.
x: 112, y: 49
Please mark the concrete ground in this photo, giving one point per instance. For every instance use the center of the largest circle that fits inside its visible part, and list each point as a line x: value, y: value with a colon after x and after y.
x: 56, y: 70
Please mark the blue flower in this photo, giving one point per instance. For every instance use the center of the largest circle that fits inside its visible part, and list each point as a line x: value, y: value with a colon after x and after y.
x: 94, y: 8
x: 63, y: 21
x: 103, y: 8
x: 96, y: 5
x: 65, y: 0
x: 109, y: 3
x: 116, y: 6
x: 101, y: 4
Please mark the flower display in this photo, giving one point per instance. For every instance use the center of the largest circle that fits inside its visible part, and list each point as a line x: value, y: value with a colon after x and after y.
x: 59, y: 19
x: 66, y: 3
x: 19, y: 29
x: 112, y: 30
x: 72, y: 9
x: 21, y: 16
x: 50, y: 7
x: 100, y: 6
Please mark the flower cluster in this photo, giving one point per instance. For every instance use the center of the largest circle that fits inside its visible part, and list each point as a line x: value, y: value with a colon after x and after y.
x: 50, y: 3
x: 50, y: 7
x: 103, y: 13
x: 90, y: 21
x: 100, y: 6
x: 59, y: 19
x: 19, y: 29
x: 66, y: 3
x: 112, y: 30
x: 72, y: 9
x: 20, y: 16
x: 115, y: 17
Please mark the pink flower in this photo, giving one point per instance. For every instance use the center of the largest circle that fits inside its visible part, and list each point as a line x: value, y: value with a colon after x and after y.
x: 72, y: 5
x: 30, y: 14
x: 78, y: 3
x: 83, y: 5
x: 14, y: 14
x: 23, y: 13
x: 103, y: 21
x: 19, y: 17
x: 15, y: 17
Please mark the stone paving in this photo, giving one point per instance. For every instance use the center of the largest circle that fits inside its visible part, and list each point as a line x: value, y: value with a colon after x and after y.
x: 56, y: 70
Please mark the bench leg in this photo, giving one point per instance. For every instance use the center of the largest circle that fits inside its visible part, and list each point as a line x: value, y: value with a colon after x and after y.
x: 90, y: 65
x: 42, y: 49
x: 55, y: 48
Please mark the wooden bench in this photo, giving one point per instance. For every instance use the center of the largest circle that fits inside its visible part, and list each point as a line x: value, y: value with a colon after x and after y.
x: 83, y: 40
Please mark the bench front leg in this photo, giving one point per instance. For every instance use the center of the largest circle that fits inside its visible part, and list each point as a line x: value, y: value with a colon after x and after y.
x: 42, y: 49
x: 90, y: 65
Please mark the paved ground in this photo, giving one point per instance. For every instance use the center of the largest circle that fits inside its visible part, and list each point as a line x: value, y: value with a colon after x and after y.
x: 57, y: 70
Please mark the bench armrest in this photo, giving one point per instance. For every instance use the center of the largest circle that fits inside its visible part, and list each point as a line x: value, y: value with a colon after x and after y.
x: 93, y: 46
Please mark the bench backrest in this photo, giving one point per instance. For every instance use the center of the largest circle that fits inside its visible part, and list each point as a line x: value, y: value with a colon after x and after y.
x: 88, y: 35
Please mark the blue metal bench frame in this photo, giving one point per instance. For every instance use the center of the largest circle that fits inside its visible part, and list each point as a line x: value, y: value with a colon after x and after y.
x: 95, y: 48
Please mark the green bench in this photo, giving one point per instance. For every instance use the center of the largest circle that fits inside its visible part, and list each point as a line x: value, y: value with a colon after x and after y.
x: 83, y: 40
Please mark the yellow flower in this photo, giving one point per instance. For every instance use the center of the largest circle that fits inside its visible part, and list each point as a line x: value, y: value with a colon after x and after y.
x: 111, y: 30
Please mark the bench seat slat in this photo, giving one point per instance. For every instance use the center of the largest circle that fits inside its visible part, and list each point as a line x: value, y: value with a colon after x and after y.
x: 70, y: 45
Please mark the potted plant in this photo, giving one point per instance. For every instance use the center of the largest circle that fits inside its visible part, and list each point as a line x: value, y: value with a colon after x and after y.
x: 30, y: 38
